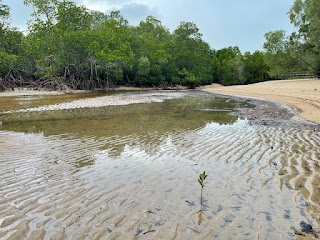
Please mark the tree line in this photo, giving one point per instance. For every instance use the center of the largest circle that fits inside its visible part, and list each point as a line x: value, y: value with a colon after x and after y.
x: 69, y: 46
x: 300, y: 51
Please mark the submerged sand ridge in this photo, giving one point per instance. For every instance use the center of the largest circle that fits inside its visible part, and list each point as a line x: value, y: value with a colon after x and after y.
x: 103, y: 101
x: 302, y: 94
x: 262, y: 181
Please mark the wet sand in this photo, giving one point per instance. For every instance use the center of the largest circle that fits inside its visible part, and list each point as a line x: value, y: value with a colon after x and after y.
x: 302, y: 95
x: 30, y: 92
x: 262, y: 181
x: 70, y: 188
x: 113, y: 100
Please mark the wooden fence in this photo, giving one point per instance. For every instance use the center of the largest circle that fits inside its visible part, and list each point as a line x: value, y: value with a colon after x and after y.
x: 298, y: 75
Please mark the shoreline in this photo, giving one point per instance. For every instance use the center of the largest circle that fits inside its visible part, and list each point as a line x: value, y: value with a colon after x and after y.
x: 267, y: 108
x: 300, y: 96
x: 17, y: 92
x: 263, y: 113
x: 270, y: 113
x: 30, y: 92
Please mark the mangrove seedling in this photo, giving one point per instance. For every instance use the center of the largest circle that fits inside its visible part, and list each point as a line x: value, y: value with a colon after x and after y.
x: 201, y: 179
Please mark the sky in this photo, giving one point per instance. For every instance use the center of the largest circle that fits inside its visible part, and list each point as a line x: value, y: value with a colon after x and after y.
x: 223, y: 23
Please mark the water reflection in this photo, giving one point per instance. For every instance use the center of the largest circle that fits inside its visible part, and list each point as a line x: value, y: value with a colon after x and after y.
x: 18, y: 102
x: 141, y: 120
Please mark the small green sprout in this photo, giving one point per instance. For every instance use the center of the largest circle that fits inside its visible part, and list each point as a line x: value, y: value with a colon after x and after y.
x: 202, y: 177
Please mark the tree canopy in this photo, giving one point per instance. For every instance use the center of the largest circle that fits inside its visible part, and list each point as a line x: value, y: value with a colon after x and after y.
x: 70, y: 46
x: 299, y: 52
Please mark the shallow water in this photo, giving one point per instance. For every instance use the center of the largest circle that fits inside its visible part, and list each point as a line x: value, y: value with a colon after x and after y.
x: 18, y: 102
x: 130, y: 172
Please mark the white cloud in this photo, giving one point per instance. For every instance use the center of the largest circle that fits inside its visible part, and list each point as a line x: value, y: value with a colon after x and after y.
x: 135, y: 12
x: 107, y: 5
x: 132, y: 10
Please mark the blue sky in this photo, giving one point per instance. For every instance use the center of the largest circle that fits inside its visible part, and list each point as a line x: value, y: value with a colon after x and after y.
x: 223, y: 23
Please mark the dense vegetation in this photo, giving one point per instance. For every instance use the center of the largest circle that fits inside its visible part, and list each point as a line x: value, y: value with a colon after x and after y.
x: 69, y: 46
x: 299, y: 52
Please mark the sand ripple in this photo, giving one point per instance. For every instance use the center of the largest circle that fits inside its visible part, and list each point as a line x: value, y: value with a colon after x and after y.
x: 261, y: 182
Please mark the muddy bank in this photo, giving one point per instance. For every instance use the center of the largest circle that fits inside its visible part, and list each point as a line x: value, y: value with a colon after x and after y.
x: 270, y: 113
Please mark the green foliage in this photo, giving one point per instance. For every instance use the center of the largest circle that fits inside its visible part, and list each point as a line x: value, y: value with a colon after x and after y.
x: 276, y: 54
x: 301, y: 51
x: 144, y: 66
x: 190, y: 52
x: 70, y: 17
x: 231, y: 67
x: 202, y: 177
x: 7, y: 62
x: 281, y: 55
x: 89, y: 49
x: 256, y: 68
x: 11, y: 49
x: 275, y: 42
x: 191, y: 81
x: 47, y: 8
x: 4, y: 15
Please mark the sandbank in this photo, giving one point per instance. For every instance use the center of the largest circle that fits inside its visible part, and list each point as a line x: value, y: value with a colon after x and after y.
x: 303, y: 95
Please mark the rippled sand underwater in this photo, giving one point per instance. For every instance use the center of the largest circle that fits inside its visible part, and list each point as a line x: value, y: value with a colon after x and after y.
x: 131, y: 172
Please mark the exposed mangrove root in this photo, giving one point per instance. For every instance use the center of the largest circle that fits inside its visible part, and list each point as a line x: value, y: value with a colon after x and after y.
x: 48, y: 83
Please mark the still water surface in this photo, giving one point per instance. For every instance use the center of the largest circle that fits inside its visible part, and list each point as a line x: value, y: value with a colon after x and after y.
x: 130, y: 172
